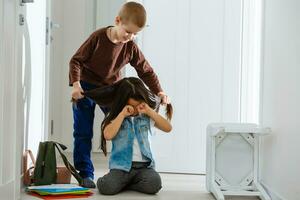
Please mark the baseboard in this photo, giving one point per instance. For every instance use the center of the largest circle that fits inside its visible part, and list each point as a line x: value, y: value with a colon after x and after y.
x: 273, y: 195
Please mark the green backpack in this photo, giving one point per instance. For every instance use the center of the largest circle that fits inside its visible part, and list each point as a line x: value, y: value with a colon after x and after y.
x: 45, y: 170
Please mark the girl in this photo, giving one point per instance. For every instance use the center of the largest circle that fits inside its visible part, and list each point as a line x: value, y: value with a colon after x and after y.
x: 128, y: 124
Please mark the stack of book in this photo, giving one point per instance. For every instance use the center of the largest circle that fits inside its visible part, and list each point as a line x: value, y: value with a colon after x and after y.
x: 59, y: 191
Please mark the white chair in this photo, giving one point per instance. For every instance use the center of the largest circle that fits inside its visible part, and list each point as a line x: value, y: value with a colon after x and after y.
x: 232, y: 166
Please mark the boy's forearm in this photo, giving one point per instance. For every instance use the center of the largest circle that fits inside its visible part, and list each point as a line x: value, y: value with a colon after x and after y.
x: 74, y: 71
x: 111, y: 130
x: 151, y: 80
x: 160, y: 122
x: 145, y: 71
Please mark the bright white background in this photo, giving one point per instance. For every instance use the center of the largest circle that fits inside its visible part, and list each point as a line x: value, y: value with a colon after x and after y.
x: 279, y: 95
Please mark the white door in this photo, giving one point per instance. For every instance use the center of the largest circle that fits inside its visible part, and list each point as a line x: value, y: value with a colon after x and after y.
x: 194, y: 47
x: 11, y: 109
x: 54, y: 53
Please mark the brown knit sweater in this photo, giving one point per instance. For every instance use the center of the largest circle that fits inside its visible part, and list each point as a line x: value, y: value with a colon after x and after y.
x: 98, y: 61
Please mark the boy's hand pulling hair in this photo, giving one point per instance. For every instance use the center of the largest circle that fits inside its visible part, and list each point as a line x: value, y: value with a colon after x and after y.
x: 164, y: 98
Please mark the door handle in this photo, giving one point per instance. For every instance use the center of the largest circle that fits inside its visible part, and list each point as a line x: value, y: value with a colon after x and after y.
x: 27, y: 1
x: 21, y: 19
x: 22, y: 2
x: 54, y: 25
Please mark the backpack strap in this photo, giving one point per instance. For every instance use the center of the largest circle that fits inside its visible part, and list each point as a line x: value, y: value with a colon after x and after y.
x: 27, y: 172
x: 25, y: 159
x: 67, y: 163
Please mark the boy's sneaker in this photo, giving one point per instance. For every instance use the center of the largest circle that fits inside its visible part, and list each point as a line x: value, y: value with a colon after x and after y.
x: 88, y: 183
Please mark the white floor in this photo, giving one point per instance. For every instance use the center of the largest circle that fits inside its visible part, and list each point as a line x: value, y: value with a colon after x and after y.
x: 175, y: 186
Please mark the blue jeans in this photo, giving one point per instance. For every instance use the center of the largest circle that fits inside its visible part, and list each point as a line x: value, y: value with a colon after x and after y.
x: 83, y: 116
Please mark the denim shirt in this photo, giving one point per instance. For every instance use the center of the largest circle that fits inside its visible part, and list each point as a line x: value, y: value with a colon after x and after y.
x: 122, y: 143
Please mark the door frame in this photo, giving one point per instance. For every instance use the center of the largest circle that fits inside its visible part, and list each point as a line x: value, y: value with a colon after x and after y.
x: 11, y: 120
x: 47, y: 128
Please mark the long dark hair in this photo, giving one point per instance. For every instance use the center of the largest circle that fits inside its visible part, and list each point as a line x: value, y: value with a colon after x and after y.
x: 116, y: 96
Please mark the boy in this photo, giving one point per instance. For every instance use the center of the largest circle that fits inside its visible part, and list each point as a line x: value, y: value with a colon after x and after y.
x: 97, y: 63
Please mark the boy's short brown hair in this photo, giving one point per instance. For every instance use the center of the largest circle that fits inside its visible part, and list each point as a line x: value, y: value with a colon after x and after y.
x: 133, y: 12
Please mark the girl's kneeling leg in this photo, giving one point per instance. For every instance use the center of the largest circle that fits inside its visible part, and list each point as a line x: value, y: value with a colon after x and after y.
x: 113, y: 182
x: 146, y: 181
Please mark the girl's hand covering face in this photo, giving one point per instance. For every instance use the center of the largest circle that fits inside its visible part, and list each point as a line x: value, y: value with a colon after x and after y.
x: 143, y: 108
x: 128, y: 110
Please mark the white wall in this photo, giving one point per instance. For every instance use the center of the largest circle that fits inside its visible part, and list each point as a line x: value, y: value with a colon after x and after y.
x: 251, y: 60
x: 194, y: 47
x: 281, y: 97
x: 107, y: 11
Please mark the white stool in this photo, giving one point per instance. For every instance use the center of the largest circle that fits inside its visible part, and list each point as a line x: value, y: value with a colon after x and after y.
x: 232, y: 165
